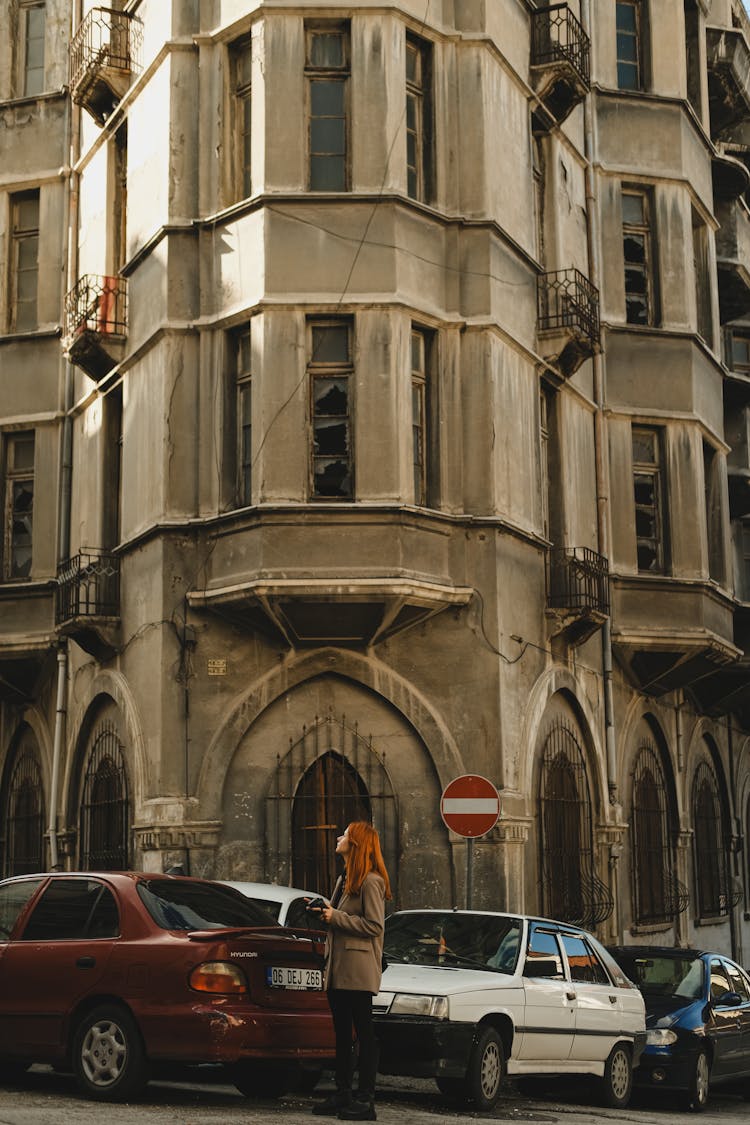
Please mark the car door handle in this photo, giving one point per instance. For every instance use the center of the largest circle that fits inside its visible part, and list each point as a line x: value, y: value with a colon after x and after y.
x: 613, y: 999
x: 85, y: 962
x: 570, y: 995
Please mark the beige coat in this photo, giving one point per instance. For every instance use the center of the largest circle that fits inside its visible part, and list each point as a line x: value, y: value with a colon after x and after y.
x: 354, y: 944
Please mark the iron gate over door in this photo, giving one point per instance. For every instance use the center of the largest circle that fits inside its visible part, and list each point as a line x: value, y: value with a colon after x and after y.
x: 330, y: 776
x: 571, y: 889
x: 658, y: 895
x: 105, y: 806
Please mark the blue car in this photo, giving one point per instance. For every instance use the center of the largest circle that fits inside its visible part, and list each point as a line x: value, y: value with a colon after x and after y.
x: 697, y: 1020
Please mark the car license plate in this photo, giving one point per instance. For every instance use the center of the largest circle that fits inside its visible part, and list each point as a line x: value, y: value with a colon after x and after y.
x: 303, y: 979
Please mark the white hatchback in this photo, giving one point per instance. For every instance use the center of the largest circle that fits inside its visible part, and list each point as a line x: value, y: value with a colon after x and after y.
x: 470, y: 996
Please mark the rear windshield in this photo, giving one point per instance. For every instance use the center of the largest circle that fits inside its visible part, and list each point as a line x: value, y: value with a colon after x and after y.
x: 471, y: 941
x: 182, y: 905
x: 665, y: 975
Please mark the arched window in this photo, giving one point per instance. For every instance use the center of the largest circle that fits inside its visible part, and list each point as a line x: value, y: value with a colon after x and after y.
x: 105, y: 807
x: 571, y: 890
x: 23, y: 810
x: 330, y: 776
x: 657, y: 893
x: 710, y: 858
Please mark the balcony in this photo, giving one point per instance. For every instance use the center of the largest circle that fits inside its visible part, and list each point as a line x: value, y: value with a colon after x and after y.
x: 567, y: 319
x: 101, y: 61
x: 728, y: 59
x: 560, y: 65
x: 728, y: 690
x: 96, y: 324
x: 270, y: 571
x: 733, y: 260
x: 730, y: 176
x: 669, y: 633
x: 88, y: 601
x: 577, y: 592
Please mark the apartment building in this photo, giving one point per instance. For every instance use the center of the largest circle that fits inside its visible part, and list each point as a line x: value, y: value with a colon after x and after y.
x: 374, y: 388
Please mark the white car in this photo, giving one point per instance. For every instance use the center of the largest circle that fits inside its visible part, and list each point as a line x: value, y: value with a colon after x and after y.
x: 286, y: 905
x: 469, y: 996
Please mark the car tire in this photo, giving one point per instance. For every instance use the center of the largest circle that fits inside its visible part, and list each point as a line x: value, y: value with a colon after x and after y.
x: 266, y: 1078
x: 699, y: 1084
x: 486, y: 1070
x: 617, y: 1083
x: 309, y: 1079
x: 109, y: 1060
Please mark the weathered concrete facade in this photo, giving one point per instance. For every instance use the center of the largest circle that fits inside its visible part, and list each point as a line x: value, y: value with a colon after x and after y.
x: 396, y: 432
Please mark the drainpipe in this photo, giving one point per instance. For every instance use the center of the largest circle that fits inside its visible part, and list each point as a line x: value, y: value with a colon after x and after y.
x: 70, y: 257
x: 600, y: 436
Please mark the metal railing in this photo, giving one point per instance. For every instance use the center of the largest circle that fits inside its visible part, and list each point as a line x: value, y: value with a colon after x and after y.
x: 96, y: 304
x: 557, y: 35
x: 577, y: 580
x: 88, y: 585
x: 567, y: 299
x: 102, y: 40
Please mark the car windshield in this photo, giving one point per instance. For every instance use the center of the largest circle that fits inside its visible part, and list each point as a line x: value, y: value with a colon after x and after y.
x: 182, y: 905
x: 469, y: 941
x: 658, y: 975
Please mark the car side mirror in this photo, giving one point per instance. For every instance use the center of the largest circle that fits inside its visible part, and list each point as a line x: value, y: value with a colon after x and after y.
x: 542, y: 967
x: 728, y: 1000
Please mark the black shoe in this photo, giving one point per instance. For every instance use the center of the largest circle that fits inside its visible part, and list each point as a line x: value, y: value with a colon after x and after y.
x: 358, y: 1111
x: 333, y: 1104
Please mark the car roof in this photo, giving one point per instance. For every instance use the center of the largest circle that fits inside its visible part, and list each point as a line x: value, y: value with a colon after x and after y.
x: 114, y: 876
x: 496, y: 914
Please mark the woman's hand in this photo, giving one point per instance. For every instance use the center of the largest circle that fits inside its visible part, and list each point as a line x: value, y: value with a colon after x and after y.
x: 325, y: 914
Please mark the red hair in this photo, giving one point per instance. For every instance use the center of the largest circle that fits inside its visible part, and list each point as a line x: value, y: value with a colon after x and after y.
x: 364, y: 856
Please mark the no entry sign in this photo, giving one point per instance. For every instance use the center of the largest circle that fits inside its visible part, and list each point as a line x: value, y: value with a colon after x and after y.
x: 470, y: 805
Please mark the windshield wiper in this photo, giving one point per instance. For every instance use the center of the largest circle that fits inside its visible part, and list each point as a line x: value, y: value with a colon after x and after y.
x: 469, y: 962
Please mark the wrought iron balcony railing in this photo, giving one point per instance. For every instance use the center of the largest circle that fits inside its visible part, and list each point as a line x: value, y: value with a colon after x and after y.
x: 101, y: 60
x: 567, y: 300
x: 557, y: 36
x: 88, y: 585
x: 577, y: 580
x: 96, y: 304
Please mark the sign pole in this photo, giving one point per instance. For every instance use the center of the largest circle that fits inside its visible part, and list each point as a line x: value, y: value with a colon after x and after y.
x: 469, y: 871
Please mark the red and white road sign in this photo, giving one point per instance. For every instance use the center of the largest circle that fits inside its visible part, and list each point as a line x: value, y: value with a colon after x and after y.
x: 470, y: 805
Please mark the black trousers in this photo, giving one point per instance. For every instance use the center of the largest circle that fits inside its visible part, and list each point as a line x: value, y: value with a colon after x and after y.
x: 354, y: 1009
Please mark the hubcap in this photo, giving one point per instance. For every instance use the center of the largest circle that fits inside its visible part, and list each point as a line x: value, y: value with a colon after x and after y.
x: 104, y: 1053
x: 620, y: 1074
x: 491, y: 1070
x: 701, y: 1080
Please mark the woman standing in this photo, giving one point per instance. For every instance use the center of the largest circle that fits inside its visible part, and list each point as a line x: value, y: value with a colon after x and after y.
x: 354, y: 959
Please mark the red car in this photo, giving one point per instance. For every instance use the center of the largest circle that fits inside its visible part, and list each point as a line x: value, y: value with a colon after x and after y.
x: 109, y: 973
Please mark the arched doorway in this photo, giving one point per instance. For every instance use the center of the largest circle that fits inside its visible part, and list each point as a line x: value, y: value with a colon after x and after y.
x: 331, y: 776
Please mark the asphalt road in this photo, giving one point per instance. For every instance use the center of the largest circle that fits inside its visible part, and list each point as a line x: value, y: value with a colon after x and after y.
x: 46, y: 1098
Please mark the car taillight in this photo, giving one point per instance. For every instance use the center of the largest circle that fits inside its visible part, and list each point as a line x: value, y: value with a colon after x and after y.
x: 218, y: 976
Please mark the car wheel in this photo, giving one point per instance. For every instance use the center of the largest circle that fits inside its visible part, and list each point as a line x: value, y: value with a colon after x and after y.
x: 109, y: 1061
x: 264, y: 1079
x: 451, y: 1087
x: 617, y: 1083
x: 698, y: 1086
x: 486, y: 1070
x: 309, y: 1079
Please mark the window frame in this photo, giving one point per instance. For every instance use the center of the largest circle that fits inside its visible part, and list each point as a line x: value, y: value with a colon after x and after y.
x: 655, y: 470
x: 638, y: 37
x: 653, y: 861
x: 14, y: 475
x: 24, y: 39
x: 331, y: 369
x: 341, y: 74
x: 419, y: 92
x: 424, y: 427
x: 19, y: 234
x: 643, y: 232
x: 243, y: 394
x: 710, y: 859
x: 241, y: 56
